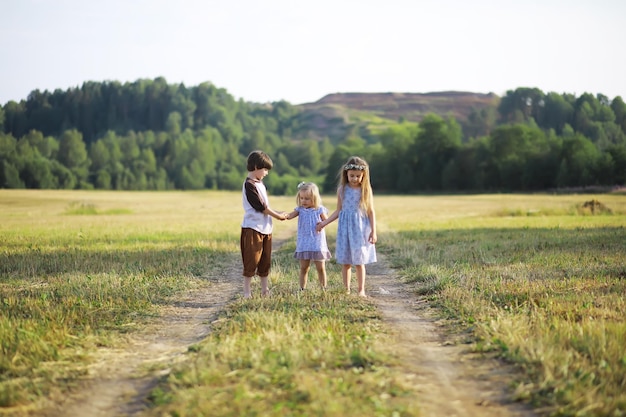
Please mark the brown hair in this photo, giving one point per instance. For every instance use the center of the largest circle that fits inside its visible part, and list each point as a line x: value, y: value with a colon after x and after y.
x: 259, y: 160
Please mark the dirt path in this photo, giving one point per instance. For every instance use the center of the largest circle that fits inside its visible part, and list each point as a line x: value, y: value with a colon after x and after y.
x: 450, y: 380
x: 113, y: 388
x: 445, y: 377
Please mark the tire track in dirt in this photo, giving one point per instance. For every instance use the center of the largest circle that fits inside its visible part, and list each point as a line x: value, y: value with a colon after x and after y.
x: 446, y: 378
x: 120, y: 380
x: 449, y: 380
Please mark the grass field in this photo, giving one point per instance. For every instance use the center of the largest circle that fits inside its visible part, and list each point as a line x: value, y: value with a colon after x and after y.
x: 535, y: 279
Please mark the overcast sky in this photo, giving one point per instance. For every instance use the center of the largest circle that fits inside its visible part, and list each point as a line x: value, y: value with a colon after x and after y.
x: 299, y: 51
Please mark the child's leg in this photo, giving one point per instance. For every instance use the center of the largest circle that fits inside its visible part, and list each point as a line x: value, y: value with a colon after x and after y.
x: 304, y: 272
x: 265, y: 262
x: 254, y: 260
x: 247, y: 292
x: 346, y: 272
x: 265, y: 290
x: 321, y: 273
x: 360, y: 278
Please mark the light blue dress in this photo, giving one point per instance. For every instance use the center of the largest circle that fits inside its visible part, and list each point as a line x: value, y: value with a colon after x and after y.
x: 353, y: 231
x: 311, y: 244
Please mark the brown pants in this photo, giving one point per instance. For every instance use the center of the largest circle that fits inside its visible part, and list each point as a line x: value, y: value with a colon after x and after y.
x: 256, y: 253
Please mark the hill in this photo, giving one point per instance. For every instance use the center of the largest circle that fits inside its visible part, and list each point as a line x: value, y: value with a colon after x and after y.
x: 337, y: 115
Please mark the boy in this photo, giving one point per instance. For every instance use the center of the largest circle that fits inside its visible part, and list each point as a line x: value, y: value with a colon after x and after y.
x: 256, y: 228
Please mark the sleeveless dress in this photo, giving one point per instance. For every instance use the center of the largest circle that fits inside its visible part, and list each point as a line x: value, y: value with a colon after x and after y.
x: 353, y: 231
x: 310, y: 244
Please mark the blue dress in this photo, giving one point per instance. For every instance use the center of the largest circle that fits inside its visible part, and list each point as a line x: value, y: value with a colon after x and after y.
x: 353, y: 231
x: 311, y: 244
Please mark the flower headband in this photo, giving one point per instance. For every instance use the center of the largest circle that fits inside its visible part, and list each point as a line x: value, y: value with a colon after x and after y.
x: 302, y: 184
x: 348, y: 167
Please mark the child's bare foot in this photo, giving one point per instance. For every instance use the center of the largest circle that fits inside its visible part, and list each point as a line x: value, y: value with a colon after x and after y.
x: 362, y: 294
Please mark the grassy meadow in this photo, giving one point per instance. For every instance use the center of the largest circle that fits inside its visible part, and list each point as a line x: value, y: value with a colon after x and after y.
x: 534, y: 279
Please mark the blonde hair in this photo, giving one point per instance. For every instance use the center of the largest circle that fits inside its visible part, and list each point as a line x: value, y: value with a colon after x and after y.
x: 310, y: 188
x: 355, y: 163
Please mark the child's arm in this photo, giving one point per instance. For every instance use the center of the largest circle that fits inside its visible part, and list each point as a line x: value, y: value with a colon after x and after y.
x: 289, y: 216
x: 279, y: 215
x: 332, y: 217
x: 323, y: 213
x: 371, y: 214
x: 258, y: 203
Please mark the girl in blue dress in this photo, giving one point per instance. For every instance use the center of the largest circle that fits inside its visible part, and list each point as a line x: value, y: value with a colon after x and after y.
x: 356, y: 231
x: 311, y: 244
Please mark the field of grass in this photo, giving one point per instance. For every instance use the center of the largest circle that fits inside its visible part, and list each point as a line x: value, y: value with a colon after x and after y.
x: 535, y: 279
x: 79, y: 268
x: 538, y: 280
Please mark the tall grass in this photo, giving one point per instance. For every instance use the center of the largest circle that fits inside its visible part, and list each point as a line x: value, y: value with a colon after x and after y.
x: 536, y: 281
x: 72, y: 280
x: 297, y: 353
x: 544, y: 291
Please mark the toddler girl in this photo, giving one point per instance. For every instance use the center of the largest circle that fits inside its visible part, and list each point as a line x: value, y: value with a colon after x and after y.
x: 310, y: 244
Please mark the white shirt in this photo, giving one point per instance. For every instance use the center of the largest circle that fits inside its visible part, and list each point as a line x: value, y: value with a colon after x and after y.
x: 254, y: 203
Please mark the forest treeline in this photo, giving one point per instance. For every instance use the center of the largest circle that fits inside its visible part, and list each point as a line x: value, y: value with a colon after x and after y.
x: 151, y: 135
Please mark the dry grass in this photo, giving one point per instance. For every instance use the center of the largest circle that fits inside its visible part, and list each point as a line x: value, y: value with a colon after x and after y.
x: 543, y: 290
x: 77, y: 267
x: 535, y: 280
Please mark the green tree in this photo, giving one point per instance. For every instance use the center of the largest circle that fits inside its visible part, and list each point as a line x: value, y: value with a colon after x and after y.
x: 558, y: 112
x: 314, y: 162
x: 8, y: 147
x: 173, y: 123
x: 100, y: 156
x: 282, y: 165
x: 396, y: 165
x: 436, y: 144
x: 65, y: 178
x: 618, y: 156
x: 337, y: 159
x: 35, y: 139
x: 481, y: 122
x: 183, y: 104
x: 522, y: 105
x: 37, y: 174
x: 514, y: 149
x: 192, y: 177
x: 146, y: 162
x: 462, y: 172
x: 10, y: 176
x: 579, y: 161
x: 103, y: 179
x: 15, y: 120
x: 108, y: 157
x: 73, y: 155
x: 9, y: 173
x: 619, y: 110
x: 203, y: 151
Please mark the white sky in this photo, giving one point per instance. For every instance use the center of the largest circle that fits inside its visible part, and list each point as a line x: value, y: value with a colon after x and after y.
x: 300, y: 51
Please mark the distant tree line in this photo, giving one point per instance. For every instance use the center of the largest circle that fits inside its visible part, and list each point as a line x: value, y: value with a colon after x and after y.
x: 150, y: 135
